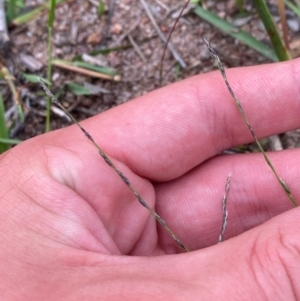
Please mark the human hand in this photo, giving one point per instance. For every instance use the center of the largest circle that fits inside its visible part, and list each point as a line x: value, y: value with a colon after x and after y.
x: 67, y: 220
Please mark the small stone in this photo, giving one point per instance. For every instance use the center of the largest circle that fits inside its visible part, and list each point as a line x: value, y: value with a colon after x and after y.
x: 87, y: 102
x: 116, y: 28
x: 74, y: 32
x: 94, y: 38
x: 164, y: 28
x: 108, y: 99
x: 114, y: 59
x: 30, y: 63
x: 61, y: 39
x: 55, y: 76
x: 293, y: 25
x: 241, y: 21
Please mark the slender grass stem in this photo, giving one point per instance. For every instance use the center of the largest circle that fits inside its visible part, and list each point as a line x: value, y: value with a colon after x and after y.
x: 52, y: 4
x: 168, y: 40
x: 120, y: 174
x: 49, y: 72
x: 238, y: 104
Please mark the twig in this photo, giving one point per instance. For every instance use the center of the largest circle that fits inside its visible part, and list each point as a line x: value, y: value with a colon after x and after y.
x: 168, y: 41
x: 175, y: 54
x: 239, y: 106
x: 163, y: 5
x: 224, y: 209
x: 136, y: 48
x: 120, y: 174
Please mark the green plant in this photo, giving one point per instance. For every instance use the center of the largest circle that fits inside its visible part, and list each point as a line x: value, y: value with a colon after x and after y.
x: 262, y: 9
x: 5, y: 141
x: 235, y: 32
x: 3, y: 129
x: 279, y: 51
x: 51, y: 17
x: 240, y: 5
x: 101, y: 8
x: 13, y: 9
x: 18, y: 17
x: 293, y: 7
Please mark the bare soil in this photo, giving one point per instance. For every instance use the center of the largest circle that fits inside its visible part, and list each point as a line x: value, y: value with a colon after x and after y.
x: 79, y: 29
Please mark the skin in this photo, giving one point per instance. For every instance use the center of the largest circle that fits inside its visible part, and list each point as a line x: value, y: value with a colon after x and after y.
x: 71, y: 230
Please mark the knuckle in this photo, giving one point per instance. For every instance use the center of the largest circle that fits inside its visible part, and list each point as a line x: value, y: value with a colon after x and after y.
x: 275, y: 263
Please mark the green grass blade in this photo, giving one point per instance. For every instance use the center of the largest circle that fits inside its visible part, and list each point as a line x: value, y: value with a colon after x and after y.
x: 101, y: 8
x: 104, y: 70
x: 51, y: 17
x: 11, y: 10
x: 264, y: 14
x: 293, y: 7
x: 235, y: 32
x: 9, y: 141
x: 24, y: 18
x: 78, y: 89
x: 3, y: 129
x: 34, y: 79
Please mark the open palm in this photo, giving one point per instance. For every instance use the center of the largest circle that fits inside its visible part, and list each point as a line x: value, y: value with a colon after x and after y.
x: 67, y: 220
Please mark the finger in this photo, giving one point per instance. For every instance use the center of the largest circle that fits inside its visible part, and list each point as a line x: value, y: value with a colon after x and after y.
x: 79, y: 191
x: 262, y: 264
x: 192, y: 204
x: 169, y: 131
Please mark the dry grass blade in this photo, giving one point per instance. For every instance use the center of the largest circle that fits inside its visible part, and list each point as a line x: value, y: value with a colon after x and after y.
x: 120, y: 174
x: 68, y: 66
x: 282, y: 13
x: 224, y: 209
x: 10, y: 81
x: 238, y: 104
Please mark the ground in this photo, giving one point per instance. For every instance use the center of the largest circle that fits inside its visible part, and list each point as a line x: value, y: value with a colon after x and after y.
x: 78, y: 30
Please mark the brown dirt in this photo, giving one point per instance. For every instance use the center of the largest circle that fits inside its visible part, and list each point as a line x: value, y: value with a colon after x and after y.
x: 78, y: 29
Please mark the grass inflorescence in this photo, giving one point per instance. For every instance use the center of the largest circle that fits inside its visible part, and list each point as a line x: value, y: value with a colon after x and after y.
x: 241, y: 110
x: 224, y: 210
